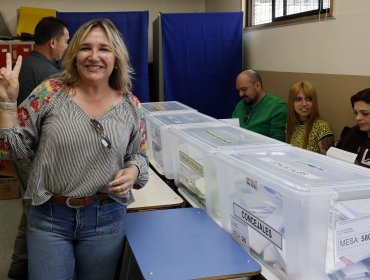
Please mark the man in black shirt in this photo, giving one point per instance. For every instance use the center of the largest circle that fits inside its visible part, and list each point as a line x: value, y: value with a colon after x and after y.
x: 51, y: 40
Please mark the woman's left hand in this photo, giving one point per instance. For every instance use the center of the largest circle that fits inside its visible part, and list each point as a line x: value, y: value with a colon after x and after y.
x: 124, y: 180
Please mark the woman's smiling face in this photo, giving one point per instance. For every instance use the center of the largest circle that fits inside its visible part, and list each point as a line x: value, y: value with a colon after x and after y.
x: 95, y: 59
x: 302, y: 106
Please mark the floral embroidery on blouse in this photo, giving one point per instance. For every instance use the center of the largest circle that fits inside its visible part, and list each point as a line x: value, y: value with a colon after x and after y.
x: 4, y: 149
x: 36, y: 100
x: 42, y: 94
x: 23, y: 115
x: 142, y: 129
x: 53, y: 85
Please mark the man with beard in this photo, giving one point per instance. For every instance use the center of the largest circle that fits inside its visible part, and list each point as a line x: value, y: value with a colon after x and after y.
x: 257, y: 110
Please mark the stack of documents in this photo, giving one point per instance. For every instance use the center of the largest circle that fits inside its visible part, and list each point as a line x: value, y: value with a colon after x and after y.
x: 341, y: 155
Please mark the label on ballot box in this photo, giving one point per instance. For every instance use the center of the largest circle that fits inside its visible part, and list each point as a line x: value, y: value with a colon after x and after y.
x: 191, y: 174
x: 352, y: 248
x: 264, y: 229
x: 349, y: 248
x: 240, y: 231
x: 353, y: 240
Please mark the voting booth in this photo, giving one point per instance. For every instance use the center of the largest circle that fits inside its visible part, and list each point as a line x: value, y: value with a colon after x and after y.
x: 191, y: 146
x: 304, y: 215
x: 157, y: 125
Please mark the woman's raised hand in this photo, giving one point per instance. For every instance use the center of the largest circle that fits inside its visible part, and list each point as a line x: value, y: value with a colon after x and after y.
x: 9, y: 84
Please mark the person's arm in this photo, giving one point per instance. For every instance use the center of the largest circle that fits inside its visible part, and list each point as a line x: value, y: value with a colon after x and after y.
x: 135, y: 174
x: 136, y: 150
x: 325, y: 143
x: 278, y: 121
x: 324, y: 135
x: 20, y: 138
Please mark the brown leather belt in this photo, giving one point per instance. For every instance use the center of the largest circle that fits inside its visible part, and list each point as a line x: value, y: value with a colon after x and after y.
x: 78, y: 201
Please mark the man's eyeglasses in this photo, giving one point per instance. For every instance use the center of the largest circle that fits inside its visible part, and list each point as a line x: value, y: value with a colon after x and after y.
x: 247, y: 117
x: 104, y: 140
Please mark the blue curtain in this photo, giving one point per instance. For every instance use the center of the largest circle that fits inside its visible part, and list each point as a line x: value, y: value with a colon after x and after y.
x: 202, y: 55
x: 134, y: 29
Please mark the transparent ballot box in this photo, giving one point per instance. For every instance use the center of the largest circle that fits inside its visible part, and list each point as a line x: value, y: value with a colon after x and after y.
x: 191, y: 146
x: 304, y: 215
x: 157, y: 125
x: 164, y: 106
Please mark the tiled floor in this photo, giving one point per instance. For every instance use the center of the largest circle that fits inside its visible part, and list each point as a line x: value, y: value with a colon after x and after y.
x: 10, y: 213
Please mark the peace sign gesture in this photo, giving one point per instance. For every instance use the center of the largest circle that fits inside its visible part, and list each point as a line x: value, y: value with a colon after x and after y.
x: 9, y: 84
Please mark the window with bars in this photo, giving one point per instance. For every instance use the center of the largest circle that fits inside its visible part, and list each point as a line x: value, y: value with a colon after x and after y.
x: 262, y: 12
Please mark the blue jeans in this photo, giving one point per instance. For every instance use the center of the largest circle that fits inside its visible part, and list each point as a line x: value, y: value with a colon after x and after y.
x: 85, y: 241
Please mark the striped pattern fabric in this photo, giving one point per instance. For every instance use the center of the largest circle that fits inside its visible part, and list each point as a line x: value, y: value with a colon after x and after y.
x: 67, y: 156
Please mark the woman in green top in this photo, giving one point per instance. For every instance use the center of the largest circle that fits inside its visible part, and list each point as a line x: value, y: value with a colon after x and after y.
x: 305, y: 128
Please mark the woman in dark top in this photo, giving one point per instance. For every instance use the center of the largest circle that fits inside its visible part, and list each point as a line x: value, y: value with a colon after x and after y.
x: 357, y: 139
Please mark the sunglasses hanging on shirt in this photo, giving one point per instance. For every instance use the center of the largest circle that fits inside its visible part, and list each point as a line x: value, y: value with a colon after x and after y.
x: 104, y: 140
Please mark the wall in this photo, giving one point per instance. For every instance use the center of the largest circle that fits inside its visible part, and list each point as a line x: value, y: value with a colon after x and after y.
x: 223, y: 5
x: 331, y: 53
x: 9, y: 9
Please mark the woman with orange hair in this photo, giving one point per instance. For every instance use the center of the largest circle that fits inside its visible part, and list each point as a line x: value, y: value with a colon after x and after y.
x: 305, y: 128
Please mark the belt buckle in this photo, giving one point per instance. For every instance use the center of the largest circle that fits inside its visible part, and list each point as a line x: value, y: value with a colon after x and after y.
x: 69, y: 204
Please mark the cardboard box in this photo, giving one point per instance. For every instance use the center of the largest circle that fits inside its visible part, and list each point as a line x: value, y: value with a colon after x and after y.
x: 9, y: 184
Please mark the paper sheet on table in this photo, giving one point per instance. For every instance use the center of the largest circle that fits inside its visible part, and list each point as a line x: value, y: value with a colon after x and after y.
x: 341, y: 154
x: 29, y: 17
x: 232, y: 121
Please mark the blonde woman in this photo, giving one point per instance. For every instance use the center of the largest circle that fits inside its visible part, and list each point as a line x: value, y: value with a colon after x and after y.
x: 305, y: 128
x: 84, y: 132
